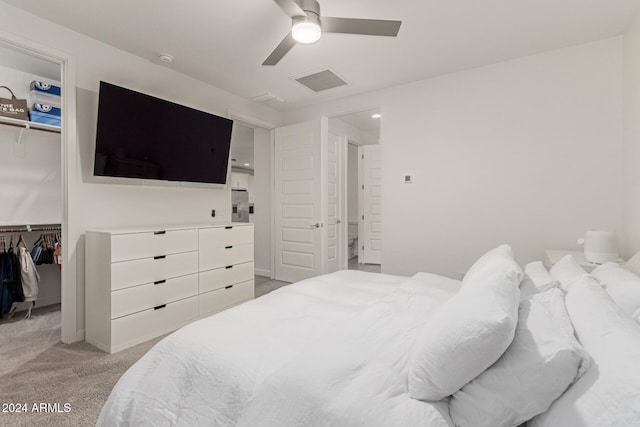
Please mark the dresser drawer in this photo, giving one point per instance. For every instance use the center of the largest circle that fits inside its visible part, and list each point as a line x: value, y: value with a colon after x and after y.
x: 139, y: 327
x: 137, y: 272
x: 230, y: 275
x: 144, y: 245
x: 220, y: 299
x: 143, y: 297
x: 225, y: 236
x: 225, y: 255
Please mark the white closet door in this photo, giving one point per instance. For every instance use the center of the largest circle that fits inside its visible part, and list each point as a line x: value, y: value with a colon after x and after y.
x: 372, y: 205
x: 300, y: 201
x: 336, y: 234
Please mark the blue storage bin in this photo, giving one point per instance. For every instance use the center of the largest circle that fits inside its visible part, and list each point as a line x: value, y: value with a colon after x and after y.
x: 48, y: 109
x: 47, y: 88
x: 44, y: 118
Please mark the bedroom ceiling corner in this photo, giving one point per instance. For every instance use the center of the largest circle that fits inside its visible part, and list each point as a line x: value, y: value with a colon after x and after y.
x: 223, y: 43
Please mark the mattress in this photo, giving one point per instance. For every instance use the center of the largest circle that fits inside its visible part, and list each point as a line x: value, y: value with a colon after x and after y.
x: 331, y: 350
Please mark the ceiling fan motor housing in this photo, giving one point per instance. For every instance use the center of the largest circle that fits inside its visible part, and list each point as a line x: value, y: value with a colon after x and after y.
x: 309, y: 6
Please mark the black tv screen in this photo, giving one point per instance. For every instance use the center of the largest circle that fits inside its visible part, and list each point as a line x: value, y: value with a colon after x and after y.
x: 140, y: 136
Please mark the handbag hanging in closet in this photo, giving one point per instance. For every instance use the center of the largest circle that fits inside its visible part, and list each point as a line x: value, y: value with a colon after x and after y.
x: 13, y: 107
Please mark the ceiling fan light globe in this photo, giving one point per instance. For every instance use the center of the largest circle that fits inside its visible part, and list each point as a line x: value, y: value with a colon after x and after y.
x: 306, y: 31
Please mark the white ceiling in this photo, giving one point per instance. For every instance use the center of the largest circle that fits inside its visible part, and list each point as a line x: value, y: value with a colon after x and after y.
x: 224, y: 42
x: 362, y: 120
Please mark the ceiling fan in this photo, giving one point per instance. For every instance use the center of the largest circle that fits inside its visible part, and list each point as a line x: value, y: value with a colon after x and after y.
x: 307, y: 26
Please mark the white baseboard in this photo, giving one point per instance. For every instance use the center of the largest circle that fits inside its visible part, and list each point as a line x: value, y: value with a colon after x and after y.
x: 262, y: 272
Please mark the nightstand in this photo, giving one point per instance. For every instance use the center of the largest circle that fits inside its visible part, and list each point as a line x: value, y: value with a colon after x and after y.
x: 551, y: 256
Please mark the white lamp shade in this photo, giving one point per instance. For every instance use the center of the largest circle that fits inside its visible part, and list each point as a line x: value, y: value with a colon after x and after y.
x: 306, y: 30
x: 600, y: 246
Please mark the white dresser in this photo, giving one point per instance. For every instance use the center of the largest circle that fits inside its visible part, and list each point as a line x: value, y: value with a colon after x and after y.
x: 145, y: 282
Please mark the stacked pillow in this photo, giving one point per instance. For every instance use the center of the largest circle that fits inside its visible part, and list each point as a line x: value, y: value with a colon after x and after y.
x: 566, y: 271
x: 536, y: 279
x: 608, y: 395
x: 541, y: 362
x: 622, y: 285
x: 503, y: 360
x: 470, y: 331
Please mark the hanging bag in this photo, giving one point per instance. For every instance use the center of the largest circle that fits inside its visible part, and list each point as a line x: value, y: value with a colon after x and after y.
x: 14, y: 107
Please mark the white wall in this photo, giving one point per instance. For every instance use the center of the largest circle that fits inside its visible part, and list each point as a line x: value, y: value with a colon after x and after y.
x: 527, y: 151
x: 106, y: 204
x: 262, y: 201
x: 631, y: 100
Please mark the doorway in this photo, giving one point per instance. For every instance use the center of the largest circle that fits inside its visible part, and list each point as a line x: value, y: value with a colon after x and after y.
x: 363, y: 188
x: 31, y: 60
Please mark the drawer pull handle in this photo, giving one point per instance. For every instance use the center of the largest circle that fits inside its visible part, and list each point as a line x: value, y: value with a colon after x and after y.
x: 159, y: 232
x: 159, y: 281
x: 228, y: 287
x: 228, y: 227
x: 160, y: 257
x: 228, y: 247
x: 229, y: 266
x: 160, y: 306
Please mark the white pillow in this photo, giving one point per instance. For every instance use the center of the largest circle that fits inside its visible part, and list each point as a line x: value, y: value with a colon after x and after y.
x: 536, y: 279
x: 622, y: 285
x: 489, y: 263
x: 633, y: 265
x: 469, y: 332
x: 541, y: 362
x: 608, y: 394
x: 566, y: 271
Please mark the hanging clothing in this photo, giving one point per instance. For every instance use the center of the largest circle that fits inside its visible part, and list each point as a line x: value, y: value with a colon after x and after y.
x: 16, y: 286
x: 6, y: 280
x: 28, y: 274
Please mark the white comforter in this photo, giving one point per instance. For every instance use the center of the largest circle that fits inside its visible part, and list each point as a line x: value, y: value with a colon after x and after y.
x: 331, y: 350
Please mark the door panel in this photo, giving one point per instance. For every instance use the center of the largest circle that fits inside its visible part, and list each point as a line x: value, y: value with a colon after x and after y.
x: 372, y: 204
x: 333, y: 203
x: 299, y: 216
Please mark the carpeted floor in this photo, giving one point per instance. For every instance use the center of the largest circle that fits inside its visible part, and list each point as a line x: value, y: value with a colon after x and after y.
x: 36, y: 368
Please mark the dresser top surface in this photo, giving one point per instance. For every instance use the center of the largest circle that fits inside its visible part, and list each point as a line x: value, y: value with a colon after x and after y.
x: 165, y: 227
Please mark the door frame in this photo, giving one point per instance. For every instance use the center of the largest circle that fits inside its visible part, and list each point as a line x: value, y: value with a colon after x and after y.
x: 69, y: 163
x: 254, y: 122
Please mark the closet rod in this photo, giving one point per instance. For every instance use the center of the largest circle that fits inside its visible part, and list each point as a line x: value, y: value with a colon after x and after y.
x: 27, y: 228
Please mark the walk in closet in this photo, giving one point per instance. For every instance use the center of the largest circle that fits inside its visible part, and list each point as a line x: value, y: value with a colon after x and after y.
x: 30, y: 188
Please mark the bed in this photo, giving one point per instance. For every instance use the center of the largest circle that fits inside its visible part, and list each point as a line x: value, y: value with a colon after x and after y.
x: 346, y: 335
x: 357, y: 349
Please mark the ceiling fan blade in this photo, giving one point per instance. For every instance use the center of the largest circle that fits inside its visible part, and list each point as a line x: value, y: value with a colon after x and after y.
x: 369, y: 27
x: 290, y: 7
x: 280, y: 51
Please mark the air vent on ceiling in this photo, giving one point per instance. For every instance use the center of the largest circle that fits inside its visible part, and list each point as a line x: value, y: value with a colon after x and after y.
x: 320, y: 81
x: 267, y: 98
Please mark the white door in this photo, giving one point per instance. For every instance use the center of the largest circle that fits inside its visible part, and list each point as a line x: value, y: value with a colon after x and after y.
x: 336, y: 204
x: 300, y: 200
x: 371, y: 216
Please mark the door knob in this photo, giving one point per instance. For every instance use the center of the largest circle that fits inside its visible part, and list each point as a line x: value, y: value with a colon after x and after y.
x: 316, y: 225
x: 338, y: 221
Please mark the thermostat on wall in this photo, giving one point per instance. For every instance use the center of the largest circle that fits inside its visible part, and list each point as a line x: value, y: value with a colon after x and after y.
x: 408, y: 179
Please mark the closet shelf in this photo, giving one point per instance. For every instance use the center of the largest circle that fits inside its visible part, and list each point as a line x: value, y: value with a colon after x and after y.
x: 29, y: 125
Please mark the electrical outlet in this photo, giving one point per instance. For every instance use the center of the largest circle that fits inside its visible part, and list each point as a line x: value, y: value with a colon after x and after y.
x: 408, y: 179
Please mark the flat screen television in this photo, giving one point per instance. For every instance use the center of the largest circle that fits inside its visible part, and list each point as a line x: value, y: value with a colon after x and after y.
x: 140, y: 136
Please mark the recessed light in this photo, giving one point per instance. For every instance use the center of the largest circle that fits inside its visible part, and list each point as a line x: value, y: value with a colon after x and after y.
x: 376, y: 115
x: 165, y: 57
x: 247, y: 164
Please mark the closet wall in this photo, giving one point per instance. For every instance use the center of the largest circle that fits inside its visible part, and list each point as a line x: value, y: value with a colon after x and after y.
x: 30, y: 172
